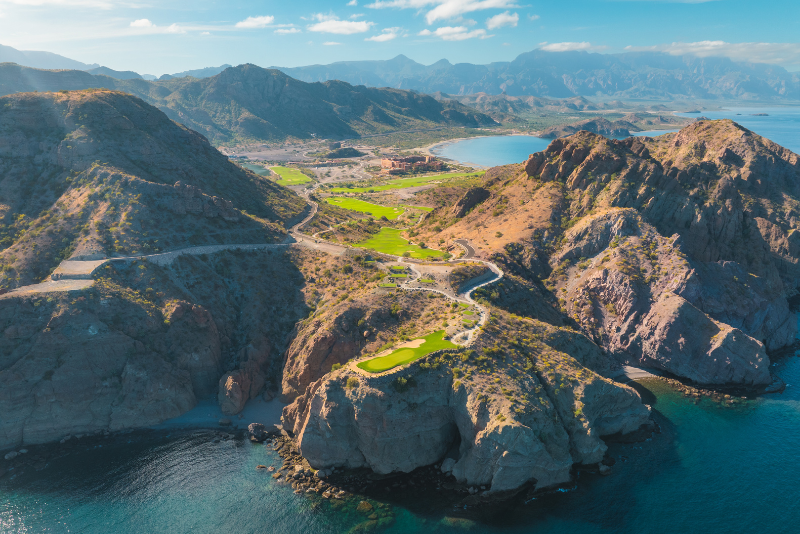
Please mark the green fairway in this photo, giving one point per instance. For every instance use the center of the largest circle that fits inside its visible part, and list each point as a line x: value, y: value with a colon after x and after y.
x: 388, y: 241
x: 387, y: 285
x: 426, y: 281
x: 366, y: 207
x: 433, y: 342
x: 290, y: 176
x: 402, y: 183
x: 393, y: 275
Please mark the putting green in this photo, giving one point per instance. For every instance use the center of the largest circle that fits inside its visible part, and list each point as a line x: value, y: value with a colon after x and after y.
x: 290, y: 176
x: 375, y: 210
x: 388, y: 241
x: 402, y: 183
x: 432, y: 343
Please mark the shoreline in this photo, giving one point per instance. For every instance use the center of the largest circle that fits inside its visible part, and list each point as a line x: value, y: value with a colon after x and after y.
x: 429, y: 149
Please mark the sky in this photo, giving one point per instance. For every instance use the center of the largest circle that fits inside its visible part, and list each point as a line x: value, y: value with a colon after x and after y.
x: 167, y: 36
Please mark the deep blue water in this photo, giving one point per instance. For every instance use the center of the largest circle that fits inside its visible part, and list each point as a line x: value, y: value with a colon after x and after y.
x: 782, y: 125
x: 711, y: 469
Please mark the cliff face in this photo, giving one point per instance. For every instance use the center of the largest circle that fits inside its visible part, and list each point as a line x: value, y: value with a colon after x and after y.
x: 536, y: 413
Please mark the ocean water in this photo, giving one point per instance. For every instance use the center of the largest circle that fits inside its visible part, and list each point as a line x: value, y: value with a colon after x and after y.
x: 781, y: 125
x: 710, y: 469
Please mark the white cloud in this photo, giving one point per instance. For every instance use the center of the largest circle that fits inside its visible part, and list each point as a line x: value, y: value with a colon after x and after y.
x: 352, y: 3
x: 340, y: 27
x: 284, y: 31
x: 533, y: 17
x: 502, y: 19
x: 174, y: 28
x: 331, y: 43
x: 786, y: 54
x: 444, y: 9
x: 387, y: 35
x: 566, y: 47
x: 142, y: 23
x: 455, y: 33
x: 256, y: 22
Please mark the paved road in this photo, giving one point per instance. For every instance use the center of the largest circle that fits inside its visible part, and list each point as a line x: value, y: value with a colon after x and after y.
x: 463, y: 243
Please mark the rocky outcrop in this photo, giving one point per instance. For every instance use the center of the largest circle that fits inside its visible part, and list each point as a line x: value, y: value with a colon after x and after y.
x: 640, y: 298
x: 190, y: 199
x: 388, y: 428
x: 237, y: 387
x: 471, y: 198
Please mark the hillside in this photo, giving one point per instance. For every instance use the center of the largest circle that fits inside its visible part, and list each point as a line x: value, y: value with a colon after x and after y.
x: 248, y: 103
x: 640, y: 75
x: 647, y: 242
x: 102, y: 173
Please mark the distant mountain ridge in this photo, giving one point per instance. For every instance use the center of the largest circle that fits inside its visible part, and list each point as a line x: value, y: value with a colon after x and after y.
x: 249, y: 103
x: 641, y: 75
x: 41, y: 60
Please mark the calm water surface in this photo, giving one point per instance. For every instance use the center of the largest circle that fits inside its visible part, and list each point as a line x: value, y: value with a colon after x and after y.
x: 782, y: 125
x: 711, y: 469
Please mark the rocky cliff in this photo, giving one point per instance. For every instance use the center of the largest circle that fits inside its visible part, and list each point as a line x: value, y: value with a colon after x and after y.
x: 513, y: 410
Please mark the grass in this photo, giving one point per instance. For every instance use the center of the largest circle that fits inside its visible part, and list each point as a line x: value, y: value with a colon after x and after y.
x: 290, y: 176
x: 387, y: 285
x: 427, y: 281
x: 433, y: 342
x: 388, y: 241
x: 398, y: 275
x: 463, y: 305
x: 402, y: 183
x: 366, y: 207
x: 397, y: 268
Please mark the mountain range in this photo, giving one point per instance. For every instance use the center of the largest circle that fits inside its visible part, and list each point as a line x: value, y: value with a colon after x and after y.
x: 639, y: 75
x: 249, y: 103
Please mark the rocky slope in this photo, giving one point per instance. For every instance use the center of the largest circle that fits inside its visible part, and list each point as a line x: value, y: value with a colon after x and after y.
x: 102, y: 173
x: 514, y: 410
x: 674, y: 252
x: 248, y: 103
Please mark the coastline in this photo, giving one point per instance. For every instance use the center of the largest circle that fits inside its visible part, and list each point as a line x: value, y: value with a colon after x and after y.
x: 432, y: 149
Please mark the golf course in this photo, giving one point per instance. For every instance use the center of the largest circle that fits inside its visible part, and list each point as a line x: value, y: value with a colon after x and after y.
x: 402, y: 183
x: 289, y: 176
x: 376, y: 210
x: 413, y: 350
x: 388, y: 241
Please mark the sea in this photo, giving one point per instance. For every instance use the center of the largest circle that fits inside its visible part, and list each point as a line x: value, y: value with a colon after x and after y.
x: 781, y: 125
x: 710, y: 468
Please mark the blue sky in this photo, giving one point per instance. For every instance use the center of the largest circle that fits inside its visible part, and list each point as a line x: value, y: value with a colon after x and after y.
x: 164, y: 36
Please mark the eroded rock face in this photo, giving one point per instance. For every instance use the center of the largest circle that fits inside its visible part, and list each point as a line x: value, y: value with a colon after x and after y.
x: 642, y: 300
x: 243, y: 384
x: 471, y: 198
x: 374, y: 425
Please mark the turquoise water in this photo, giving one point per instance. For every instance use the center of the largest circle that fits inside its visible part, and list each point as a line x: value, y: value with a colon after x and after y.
x: 710, y: 469
x: 493, y: 151
x: 782, y: 125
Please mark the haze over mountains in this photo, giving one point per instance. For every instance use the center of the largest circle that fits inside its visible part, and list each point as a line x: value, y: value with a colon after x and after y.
x: 567, y: 74
x: 248, y: 103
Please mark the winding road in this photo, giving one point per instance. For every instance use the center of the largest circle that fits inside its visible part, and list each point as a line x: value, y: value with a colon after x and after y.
x: 76, y: 275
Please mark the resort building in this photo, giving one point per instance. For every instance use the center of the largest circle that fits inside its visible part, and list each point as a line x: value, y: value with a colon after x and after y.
x: 410, y: 163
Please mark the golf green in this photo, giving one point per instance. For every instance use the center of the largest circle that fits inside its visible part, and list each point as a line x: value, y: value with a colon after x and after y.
x: 290, y: 176
x: 375, y: 210
x: 432, y: 343
x: 402, y: 183
x: 388, y: 241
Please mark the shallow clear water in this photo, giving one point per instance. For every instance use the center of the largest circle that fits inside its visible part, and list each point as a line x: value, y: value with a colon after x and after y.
x: 710, y: 469
x: 782, y: 125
